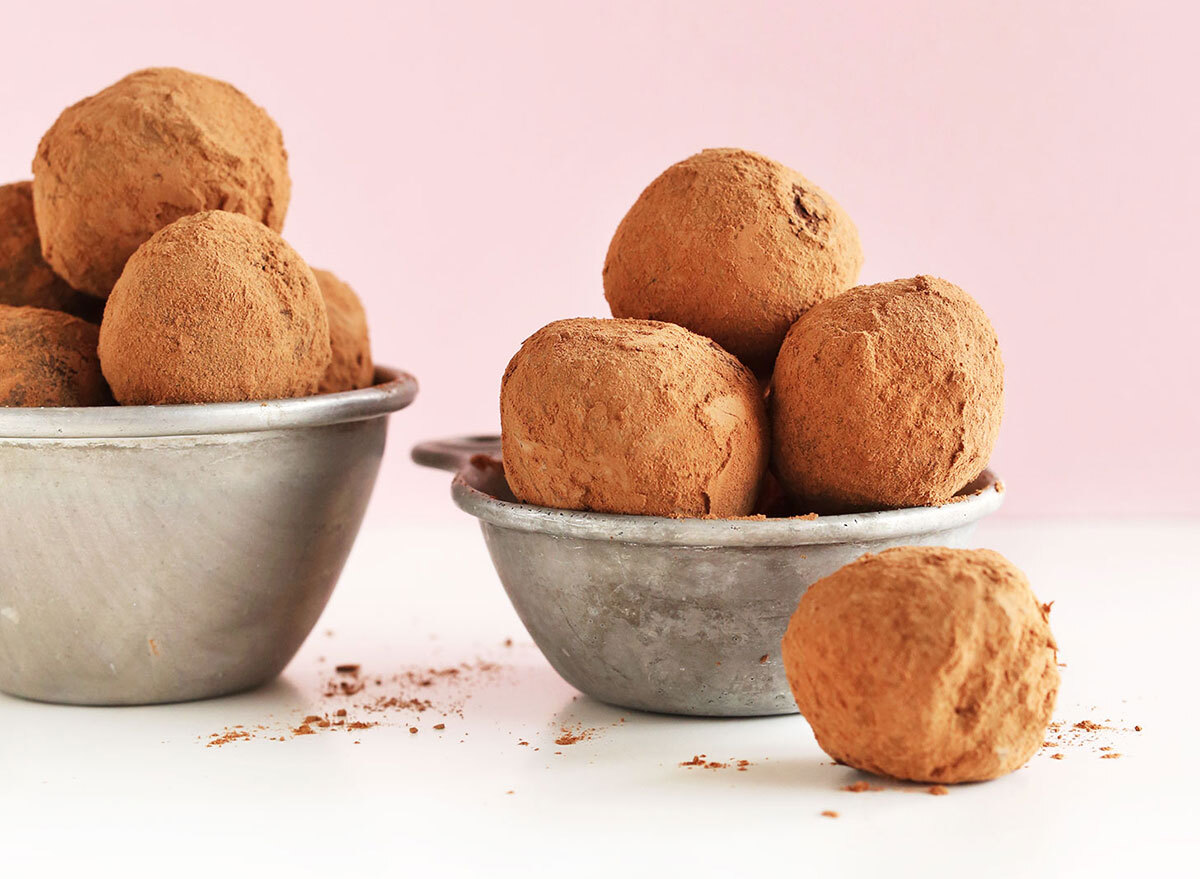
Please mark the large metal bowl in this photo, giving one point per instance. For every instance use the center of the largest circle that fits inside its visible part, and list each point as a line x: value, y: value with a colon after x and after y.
x: 680, y: 616
x: 167, y: 553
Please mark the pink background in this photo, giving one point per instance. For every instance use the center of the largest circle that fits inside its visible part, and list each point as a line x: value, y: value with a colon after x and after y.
x: 464, y: 165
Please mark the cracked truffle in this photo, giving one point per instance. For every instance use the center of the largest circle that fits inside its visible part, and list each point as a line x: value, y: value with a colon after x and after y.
x: 25, y: 279
x: 158, y: 145
x: 215, y: 307
x: 924, y: 663
x: 631, y: 416
x: 48, y: 358
x: 351, y: 366
x: 732, y: 245
x: 889, y: 395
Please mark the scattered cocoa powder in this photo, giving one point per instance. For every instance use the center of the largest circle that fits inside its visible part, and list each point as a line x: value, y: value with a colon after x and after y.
x: 443, y: 689
x: 231, y: 734
x: 574, y: 735
x: 1086, y: 733
x: 938, y: 790
x: 701, y: 761
x: 829, y: 813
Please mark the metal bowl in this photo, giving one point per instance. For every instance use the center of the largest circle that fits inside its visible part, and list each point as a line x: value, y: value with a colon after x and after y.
x: 167, y: 553
x: 679, y: 616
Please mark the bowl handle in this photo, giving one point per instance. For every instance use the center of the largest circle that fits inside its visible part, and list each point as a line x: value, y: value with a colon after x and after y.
x: 455, y: 452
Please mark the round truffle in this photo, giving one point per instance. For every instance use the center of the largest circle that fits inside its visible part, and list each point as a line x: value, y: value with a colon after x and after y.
x: 351, y: 366
x: 889, y: 395
x: 631, y: 416
x: 158, y: 145
x: 924, y: 663
x: 48, y: 358
x: 215, y: 307
x: 25, y: 278
x: 734, y: 246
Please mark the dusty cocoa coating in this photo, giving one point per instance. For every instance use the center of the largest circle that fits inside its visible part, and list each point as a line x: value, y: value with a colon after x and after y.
x: 734, y: 246
x: 925, y: 663
x: 351, y: 366
x: 215, y: 307
x: 48, y: 358
x: 160, y: 144
x: 631, y: 416
x: 889, y: 395
x: 25, y: 278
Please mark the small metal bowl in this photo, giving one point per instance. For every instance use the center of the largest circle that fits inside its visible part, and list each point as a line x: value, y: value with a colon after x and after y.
x: 678, y: 616
x: 167, y: 553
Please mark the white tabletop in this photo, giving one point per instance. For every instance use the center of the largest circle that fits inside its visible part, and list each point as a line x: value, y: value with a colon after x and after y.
x: 139, y: 790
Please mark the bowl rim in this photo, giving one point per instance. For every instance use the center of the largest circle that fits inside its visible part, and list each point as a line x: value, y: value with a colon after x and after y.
x: 393, y: 390
x: 475, y: 464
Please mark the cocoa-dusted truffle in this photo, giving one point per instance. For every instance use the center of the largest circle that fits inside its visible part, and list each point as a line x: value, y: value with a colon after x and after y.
x: 732, y: 245
x: 924, y: 663
x: 25, y: 279
x: 889, y: 395
x: 631, y: 416
x: 48, y: 358
x: 351, y: 366
x: 215, y: 307
x: 158, y: 145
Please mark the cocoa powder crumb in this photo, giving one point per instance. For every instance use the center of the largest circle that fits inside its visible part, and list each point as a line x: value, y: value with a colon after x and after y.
x: 938, y: 790
x: 829, y: 813
x: 861, y: 787
x: 439, y: 726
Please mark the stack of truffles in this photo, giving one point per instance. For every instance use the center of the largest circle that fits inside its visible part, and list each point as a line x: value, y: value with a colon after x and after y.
x: 144, y: 262
x: 731, y: 283
x: 744, y: 373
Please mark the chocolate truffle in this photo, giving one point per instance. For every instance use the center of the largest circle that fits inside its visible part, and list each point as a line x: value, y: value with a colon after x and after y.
x: 25, y: 279
x: 158, y: 145
x: 631, y: 416
x: 48, y: 358
x: 889, y: 395
x: 732, y: 245
x: 214, y: 307
x: 351, y: 366
x: 924, y: 663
